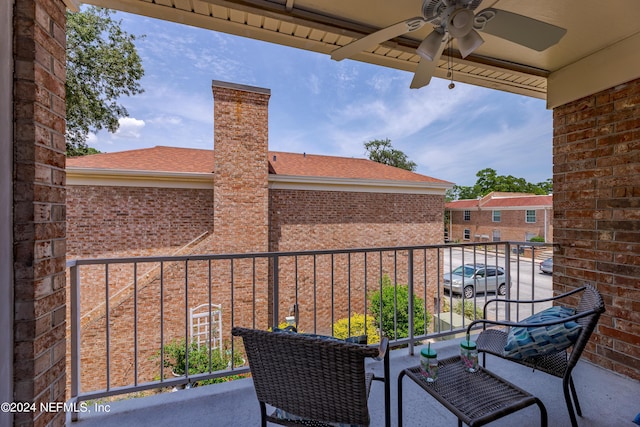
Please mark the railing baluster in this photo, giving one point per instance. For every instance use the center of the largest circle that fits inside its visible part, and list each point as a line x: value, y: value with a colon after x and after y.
x: 233, y: 317
x: 295, y: 304
x: 210, y: 301
x: 276, y: 291
x: 410, y: 315
x: 107, y: 327
x: 333, y: 301
x: 186, y: 318
x: 315, y: 295
x: 380, y: 288
x: 349, y: 294
x: 161, y: 321
x: 365, y: 294
x: 135, y: 323
x: 395, y: 294
x: 75, y: 335
x: 253, y: 291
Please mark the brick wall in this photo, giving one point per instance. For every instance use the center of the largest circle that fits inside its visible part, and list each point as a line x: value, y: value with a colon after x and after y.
x: 596, y: 153
x: 135, y: 221
x: 111, y: 222
x: 306, y: 220
x: 39, y: 207
x: 246, y: 217
x: 161, y: 309
x: 512, y: 225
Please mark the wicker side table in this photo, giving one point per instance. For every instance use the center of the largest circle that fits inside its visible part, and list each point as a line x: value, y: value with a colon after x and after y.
x: 475, y: 398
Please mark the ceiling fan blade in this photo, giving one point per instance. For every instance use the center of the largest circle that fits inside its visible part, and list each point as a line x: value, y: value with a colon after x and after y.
x: 425, y: 70
x: 525, y: 31
x: 378, y: 37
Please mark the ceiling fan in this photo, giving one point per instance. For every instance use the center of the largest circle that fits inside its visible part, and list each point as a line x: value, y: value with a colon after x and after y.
x: 455, y: 19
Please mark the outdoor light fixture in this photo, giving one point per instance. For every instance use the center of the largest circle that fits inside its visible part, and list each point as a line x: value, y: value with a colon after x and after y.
x: 469, y: 43
x: 430, y: 46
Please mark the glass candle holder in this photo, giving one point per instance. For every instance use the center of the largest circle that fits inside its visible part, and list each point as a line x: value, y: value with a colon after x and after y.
x: 469, y: 355
x: 429, y: 364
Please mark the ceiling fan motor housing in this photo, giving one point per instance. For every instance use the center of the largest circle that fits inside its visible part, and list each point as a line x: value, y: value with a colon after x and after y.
x: 435, y: 11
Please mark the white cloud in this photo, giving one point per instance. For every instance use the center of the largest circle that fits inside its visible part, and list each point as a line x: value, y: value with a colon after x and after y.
x: 92, y: 139
x: 401, y: 115
x: 314, y: 84
x: 129, y: 128
x: 165, y: 120
x: 490, y: 138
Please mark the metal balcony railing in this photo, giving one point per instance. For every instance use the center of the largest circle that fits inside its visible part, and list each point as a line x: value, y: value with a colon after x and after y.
x: 130, y: 324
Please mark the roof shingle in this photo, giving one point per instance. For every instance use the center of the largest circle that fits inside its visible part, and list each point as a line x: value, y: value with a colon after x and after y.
x: 175, y: 159
x: 502, y: 200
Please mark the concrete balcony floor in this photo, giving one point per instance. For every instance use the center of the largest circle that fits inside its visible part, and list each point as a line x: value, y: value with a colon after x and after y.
x: 607, y: 399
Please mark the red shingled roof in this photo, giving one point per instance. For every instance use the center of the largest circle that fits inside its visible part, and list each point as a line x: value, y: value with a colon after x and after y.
x: 161, y: 159
x: 339, y: 167
x: 174, y: 159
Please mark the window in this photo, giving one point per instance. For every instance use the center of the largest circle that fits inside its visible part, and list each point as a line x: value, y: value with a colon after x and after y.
x: 467, y: 215
x: 496, y: 235
x: 496, y: 216
x: 467, y: 234
x: 530, y: 216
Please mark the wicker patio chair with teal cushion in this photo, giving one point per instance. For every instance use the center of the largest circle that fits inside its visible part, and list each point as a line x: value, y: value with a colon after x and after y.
x: 311, y: 380
x: 551, y: 341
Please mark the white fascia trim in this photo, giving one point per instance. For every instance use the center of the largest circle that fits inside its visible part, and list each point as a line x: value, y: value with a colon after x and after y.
x: 519, y: 208
x: 129, y: 178
x: 505, y: 208
x: 604, y: 69
x: 314, y: 183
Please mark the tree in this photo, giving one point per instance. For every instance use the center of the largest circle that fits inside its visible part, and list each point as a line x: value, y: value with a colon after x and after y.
x: 80, y: 150
x: 381, y: 151
x: 489, y: 180
x: 102, y: 65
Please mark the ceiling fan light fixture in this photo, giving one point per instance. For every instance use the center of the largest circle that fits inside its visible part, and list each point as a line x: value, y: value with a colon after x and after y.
x: 469, y: 43
x: 429, y: 47
x: 460, y: 22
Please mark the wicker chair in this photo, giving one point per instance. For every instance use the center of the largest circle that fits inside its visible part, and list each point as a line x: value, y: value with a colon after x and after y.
x: 560, y: 363
x: 319, y: 381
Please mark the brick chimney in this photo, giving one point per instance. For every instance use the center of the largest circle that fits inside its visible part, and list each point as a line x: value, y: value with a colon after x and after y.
x: 241, y: 168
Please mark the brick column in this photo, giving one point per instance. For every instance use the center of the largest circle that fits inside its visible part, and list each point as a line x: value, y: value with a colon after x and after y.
x: 241, y: 192
x: 596, y: 202
x: 39, y: 207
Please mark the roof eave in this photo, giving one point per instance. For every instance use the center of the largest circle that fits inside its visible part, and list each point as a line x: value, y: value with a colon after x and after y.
x: 137, y: 178
x: 295, y: 182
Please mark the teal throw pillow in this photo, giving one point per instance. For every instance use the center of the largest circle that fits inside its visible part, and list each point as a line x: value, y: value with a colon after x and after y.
x: 524, y: 342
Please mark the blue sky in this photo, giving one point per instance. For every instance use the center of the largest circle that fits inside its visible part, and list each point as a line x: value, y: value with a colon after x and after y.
x: 321, y: 106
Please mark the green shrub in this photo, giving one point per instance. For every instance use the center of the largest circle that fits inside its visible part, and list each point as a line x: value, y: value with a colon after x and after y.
x: 399, y: 293
x: 175, y: 359
x: 537, y: 239
x: 341, y: 328
x: 468, y: 309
